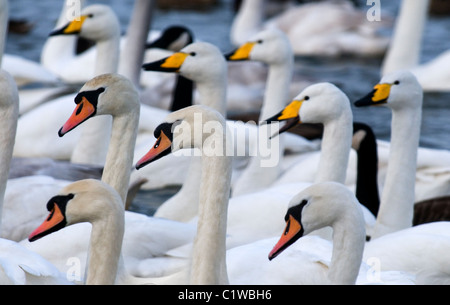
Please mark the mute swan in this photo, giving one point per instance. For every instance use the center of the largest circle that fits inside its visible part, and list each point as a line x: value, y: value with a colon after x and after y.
x: 401, y: 92
x: 342, y: 28
x: 115, y: 95
x: 180, y: 130
x: 272, y: 48
x: 95, y: 202
x: 309, y: 259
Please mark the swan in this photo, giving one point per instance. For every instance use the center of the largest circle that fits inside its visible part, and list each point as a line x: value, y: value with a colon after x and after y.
x: 402, y: 93
x: 205, y: 65
x: 191, y: 62
x: 175, y: 38
x: 115, y: 95
x: 318, y: 103
x: 272, y: 48
x: 320, y: 205
x: 180, y: 130
x: 342, y: 30
x: 18, y: 265
x: 99, y: 23
x: 93, y: 201
x: 98, y: 203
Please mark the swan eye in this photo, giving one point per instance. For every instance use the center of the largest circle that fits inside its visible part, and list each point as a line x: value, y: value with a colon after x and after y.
x: 193, y: 53
x: 90, y: 15
x: 259, y: 41
x: 306, y: 98
x: 397, y: 82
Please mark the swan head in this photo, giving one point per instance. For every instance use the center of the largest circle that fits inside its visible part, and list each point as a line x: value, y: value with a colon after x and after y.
x: 270, y: 46
x: 318, y: 103
x: 318, y: 206
x: 398, y: 90
x: 190, y: 127
x: 86, y: 200
x: 199, y: 62
x: 110, y: 94
x: 96, y: 22
x: 174, y: 38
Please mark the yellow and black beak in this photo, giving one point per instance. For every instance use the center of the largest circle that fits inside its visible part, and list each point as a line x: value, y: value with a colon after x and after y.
x: 172, y: 63
x: 378, y: 96
x: 56, y: 220
x: 73, y: 27
x: 242, y: 53
x: 292, y: 233
x: 290, y: 114
x: 162, y: 147
x: 86, y: 108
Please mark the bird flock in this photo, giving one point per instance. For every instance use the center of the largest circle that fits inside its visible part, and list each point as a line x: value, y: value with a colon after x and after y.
x: 260, y: 203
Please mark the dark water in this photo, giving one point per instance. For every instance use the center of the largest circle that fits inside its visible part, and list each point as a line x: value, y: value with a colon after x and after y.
x: 355, y: 77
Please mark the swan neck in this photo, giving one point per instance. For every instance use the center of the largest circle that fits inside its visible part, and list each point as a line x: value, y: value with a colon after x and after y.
x: 397, y: 200
x: 348, y: 247
x: 335, y: 150
x: 276, y: 95
x: 8, y: 125
x: 4, y: 16
x: 133, y: 52
x: 208, y: 264
x: 105, y: 248
x: 404, y: 51
x: 108, y: 51
x: 119, y: 160
x: 248, y: 21
x: 213, y: 94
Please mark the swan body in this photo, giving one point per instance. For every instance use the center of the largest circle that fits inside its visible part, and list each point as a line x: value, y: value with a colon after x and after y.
x: 342, y: 30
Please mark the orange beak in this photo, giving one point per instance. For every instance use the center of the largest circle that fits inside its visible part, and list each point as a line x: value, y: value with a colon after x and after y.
x: 54, y: 222
x: 162, y: 147
x: 292, y: 232
x: 82, y: 112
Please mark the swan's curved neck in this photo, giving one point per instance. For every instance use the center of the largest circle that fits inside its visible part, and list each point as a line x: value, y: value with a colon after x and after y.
x: 276, y: 95
x: 335, y: 150
x: 119, y: 160
x: 208, y: 264
x: 348, y: 248
x: 213, y: 94
x: 105, y: 248
x: 405, y: 48
x: 397, y: 200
